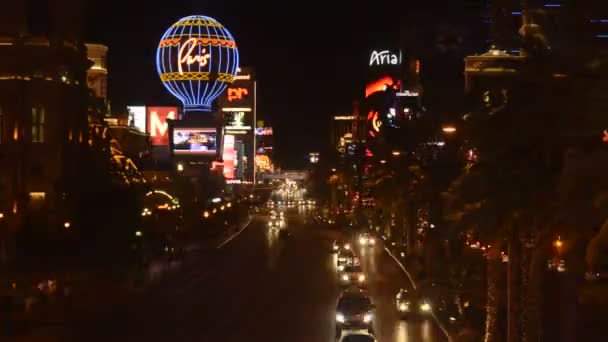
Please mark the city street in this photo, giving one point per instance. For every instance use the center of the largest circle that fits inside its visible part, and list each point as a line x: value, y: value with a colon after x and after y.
x: 257, y: 288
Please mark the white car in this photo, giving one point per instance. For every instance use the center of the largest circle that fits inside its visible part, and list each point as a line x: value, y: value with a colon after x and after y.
x: 361, y: 335
x: 367, y: 240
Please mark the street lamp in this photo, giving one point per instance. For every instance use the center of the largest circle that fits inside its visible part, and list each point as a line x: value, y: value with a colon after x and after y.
x: 449, y: 129
x: 333, y: 170
x: 180, y: 167
x: 396, y: 153
x: 67, y: 225
x: 383, y: 161
x: 1, y: 216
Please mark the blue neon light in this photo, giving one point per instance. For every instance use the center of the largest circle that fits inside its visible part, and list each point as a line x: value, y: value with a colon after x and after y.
x: 553, y: 5
x: 516, y: 13
x: 602, y: 36
x: 209, y: 61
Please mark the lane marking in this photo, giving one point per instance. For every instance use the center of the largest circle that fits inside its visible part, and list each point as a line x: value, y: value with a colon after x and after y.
x: 409, y: 276
x: 234, y: 235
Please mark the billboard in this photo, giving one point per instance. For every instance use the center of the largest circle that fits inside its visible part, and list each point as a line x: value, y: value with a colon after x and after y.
x: 195, y: 141
x: 137, y: 117
x: 229, y: 156
x: 158, y: 126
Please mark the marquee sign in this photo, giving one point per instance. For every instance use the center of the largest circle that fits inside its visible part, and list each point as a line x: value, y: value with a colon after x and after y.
x: 196, y: 60
x: 384, y: 57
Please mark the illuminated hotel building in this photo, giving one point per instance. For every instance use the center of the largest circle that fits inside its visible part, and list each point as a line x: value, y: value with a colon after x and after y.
x: 43, y: 105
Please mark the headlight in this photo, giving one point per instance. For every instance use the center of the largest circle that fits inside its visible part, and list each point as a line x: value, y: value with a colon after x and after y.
x: 335, y: 247
x: 363, y: 241
x: 347, y: 246
x: 340, y: 317
x: 425, y: 307
x: 362, y: 278
x: 341, y: 268
x: 372, y: 241
x: 404, y: 307
x: 367, y: 318
x: 345, y: 277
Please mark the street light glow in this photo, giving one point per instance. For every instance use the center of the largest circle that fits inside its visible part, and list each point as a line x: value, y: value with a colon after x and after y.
x: 180, y: 167
x: 383, y: 161
x: 449, y: 129
x: 67, y: 225
x: 396, y: 153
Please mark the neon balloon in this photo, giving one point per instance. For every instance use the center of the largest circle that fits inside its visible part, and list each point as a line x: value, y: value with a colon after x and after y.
x: 196, y: 59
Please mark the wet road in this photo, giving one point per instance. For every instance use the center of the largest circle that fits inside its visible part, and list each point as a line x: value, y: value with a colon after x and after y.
x: 260, y: 288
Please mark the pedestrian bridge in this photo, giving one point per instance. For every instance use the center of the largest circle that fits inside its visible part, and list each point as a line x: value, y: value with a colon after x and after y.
x: 290, y: 175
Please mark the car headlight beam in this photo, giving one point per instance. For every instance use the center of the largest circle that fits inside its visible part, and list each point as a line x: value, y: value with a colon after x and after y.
x: 426, y: 307
x: 340, y: 318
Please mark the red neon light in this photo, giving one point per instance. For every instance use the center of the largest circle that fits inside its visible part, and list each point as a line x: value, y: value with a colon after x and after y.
x: 237, y: 93
x: 378, y: 85
x: 605, y: 139
x: 417, y: 67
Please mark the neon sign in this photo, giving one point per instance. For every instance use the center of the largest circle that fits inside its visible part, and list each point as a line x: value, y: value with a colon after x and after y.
x: 384, y: 58
x: 187, y: 58
x: 196, y: 59
x: 237, y: 93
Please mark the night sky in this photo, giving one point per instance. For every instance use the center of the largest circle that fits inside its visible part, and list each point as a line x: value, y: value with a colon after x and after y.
x: 310, y: 59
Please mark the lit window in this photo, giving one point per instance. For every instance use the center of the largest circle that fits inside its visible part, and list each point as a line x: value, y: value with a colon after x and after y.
x: 38, y: 124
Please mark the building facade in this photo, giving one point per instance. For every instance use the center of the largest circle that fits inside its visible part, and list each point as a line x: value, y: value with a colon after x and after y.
x: 43, y: 106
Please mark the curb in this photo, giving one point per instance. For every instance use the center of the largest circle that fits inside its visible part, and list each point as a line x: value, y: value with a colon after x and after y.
x: 409, y: 276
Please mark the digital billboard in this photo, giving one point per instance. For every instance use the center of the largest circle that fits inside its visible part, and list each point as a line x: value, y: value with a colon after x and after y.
x: 137, y: 117
x: 229, y: 156
x: 195, y: 141
x: 158, y: 127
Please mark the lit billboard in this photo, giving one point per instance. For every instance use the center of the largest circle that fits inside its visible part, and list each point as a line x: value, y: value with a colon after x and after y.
x: 229, y: 156
x: 195, y: 141
x: 137, y: 117
x: 158, y: 127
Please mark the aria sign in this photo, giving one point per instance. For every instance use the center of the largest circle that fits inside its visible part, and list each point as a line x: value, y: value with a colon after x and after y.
x: 384, y: 57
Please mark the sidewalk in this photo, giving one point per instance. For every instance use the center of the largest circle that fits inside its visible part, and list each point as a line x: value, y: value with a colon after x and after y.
x: 97, y: 293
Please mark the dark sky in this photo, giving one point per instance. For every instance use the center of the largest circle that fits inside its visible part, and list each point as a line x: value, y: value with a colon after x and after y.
x: 309, y: 58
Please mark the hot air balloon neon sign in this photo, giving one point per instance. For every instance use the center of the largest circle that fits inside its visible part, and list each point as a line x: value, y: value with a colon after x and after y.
x: 196, y: 59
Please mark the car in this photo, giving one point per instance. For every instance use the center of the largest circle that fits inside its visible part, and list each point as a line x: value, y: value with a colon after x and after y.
x: 410, y: 303
x: 339, y: 244
x: 366, y: 240
x: 346, y: 257
x: 352, y: 274
x: 360, y: 335
x: 354, y: 311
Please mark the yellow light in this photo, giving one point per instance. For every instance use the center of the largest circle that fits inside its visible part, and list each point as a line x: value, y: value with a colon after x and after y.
x: 396, y: 153
x: 1, y: 215
x: 558, y: 243
x: 383, y: 161
x: 180, y: 167
x: 449, y: 129
x: 138, y: 233
x: 206, y: 214
x: 16, y: 132
x: 214, y: 210
x: 67, y: 225
x: 222, y: 208
x: 229, y: 204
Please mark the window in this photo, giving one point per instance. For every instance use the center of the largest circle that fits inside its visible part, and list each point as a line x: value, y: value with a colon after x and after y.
x: 38, y: 124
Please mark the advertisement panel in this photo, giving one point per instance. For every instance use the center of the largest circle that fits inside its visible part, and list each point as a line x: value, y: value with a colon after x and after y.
x: 263, y: 131
x: 137, y: 117
x: 195, y: 141
x: 239, y: 94
x: 158, y: 126
x: 229, y: 156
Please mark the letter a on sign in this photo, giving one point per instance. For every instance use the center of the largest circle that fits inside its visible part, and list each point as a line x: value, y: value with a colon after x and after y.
x: 158, y: 126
